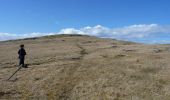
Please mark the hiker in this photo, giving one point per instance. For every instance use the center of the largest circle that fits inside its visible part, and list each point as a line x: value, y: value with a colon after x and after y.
x: 21, y: 53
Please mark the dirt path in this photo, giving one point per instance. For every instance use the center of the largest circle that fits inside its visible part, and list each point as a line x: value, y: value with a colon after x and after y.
x: 70, y: 79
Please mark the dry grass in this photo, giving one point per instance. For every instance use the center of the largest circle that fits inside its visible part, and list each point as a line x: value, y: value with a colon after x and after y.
x: 69, y: 67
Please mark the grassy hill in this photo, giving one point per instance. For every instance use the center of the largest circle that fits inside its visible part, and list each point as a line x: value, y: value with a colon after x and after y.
x: 76, y: 67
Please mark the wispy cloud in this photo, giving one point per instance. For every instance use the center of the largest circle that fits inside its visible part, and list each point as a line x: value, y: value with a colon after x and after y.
x: 139, y: 33
x: 133, y: 32
x: 11, y: 36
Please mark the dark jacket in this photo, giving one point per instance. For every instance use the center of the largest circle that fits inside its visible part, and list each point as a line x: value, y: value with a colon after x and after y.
x: 21, y: 53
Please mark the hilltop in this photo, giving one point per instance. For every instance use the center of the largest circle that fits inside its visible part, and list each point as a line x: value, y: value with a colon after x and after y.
x: 77, y: 67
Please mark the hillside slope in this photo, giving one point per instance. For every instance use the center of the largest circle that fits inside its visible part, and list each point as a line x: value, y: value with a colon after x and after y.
x: 73, y: 67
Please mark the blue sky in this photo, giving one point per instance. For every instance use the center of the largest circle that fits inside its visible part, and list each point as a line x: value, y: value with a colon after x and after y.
x: 24, y: 18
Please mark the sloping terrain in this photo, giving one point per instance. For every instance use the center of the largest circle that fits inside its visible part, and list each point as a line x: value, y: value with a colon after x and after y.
x: 75, y: 67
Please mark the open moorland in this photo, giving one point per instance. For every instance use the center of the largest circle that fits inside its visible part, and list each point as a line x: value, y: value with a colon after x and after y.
x: 76, y: 67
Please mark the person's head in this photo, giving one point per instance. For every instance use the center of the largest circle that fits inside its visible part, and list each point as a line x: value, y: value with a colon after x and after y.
x: 22, y: 46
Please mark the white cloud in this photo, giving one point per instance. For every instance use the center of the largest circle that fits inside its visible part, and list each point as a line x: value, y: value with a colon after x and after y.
x: 7, y: 36
x: 71, y: 31
x: 11, y: 36
x: 160, y: 42
x: 132, y: 32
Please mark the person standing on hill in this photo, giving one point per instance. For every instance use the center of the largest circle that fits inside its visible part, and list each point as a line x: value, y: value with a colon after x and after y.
x: 21, y: 53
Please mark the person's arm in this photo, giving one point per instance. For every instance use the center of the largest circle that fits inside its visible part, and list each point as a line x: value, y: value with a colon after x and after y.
x: 25, y: 52
x: 18, y: 52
